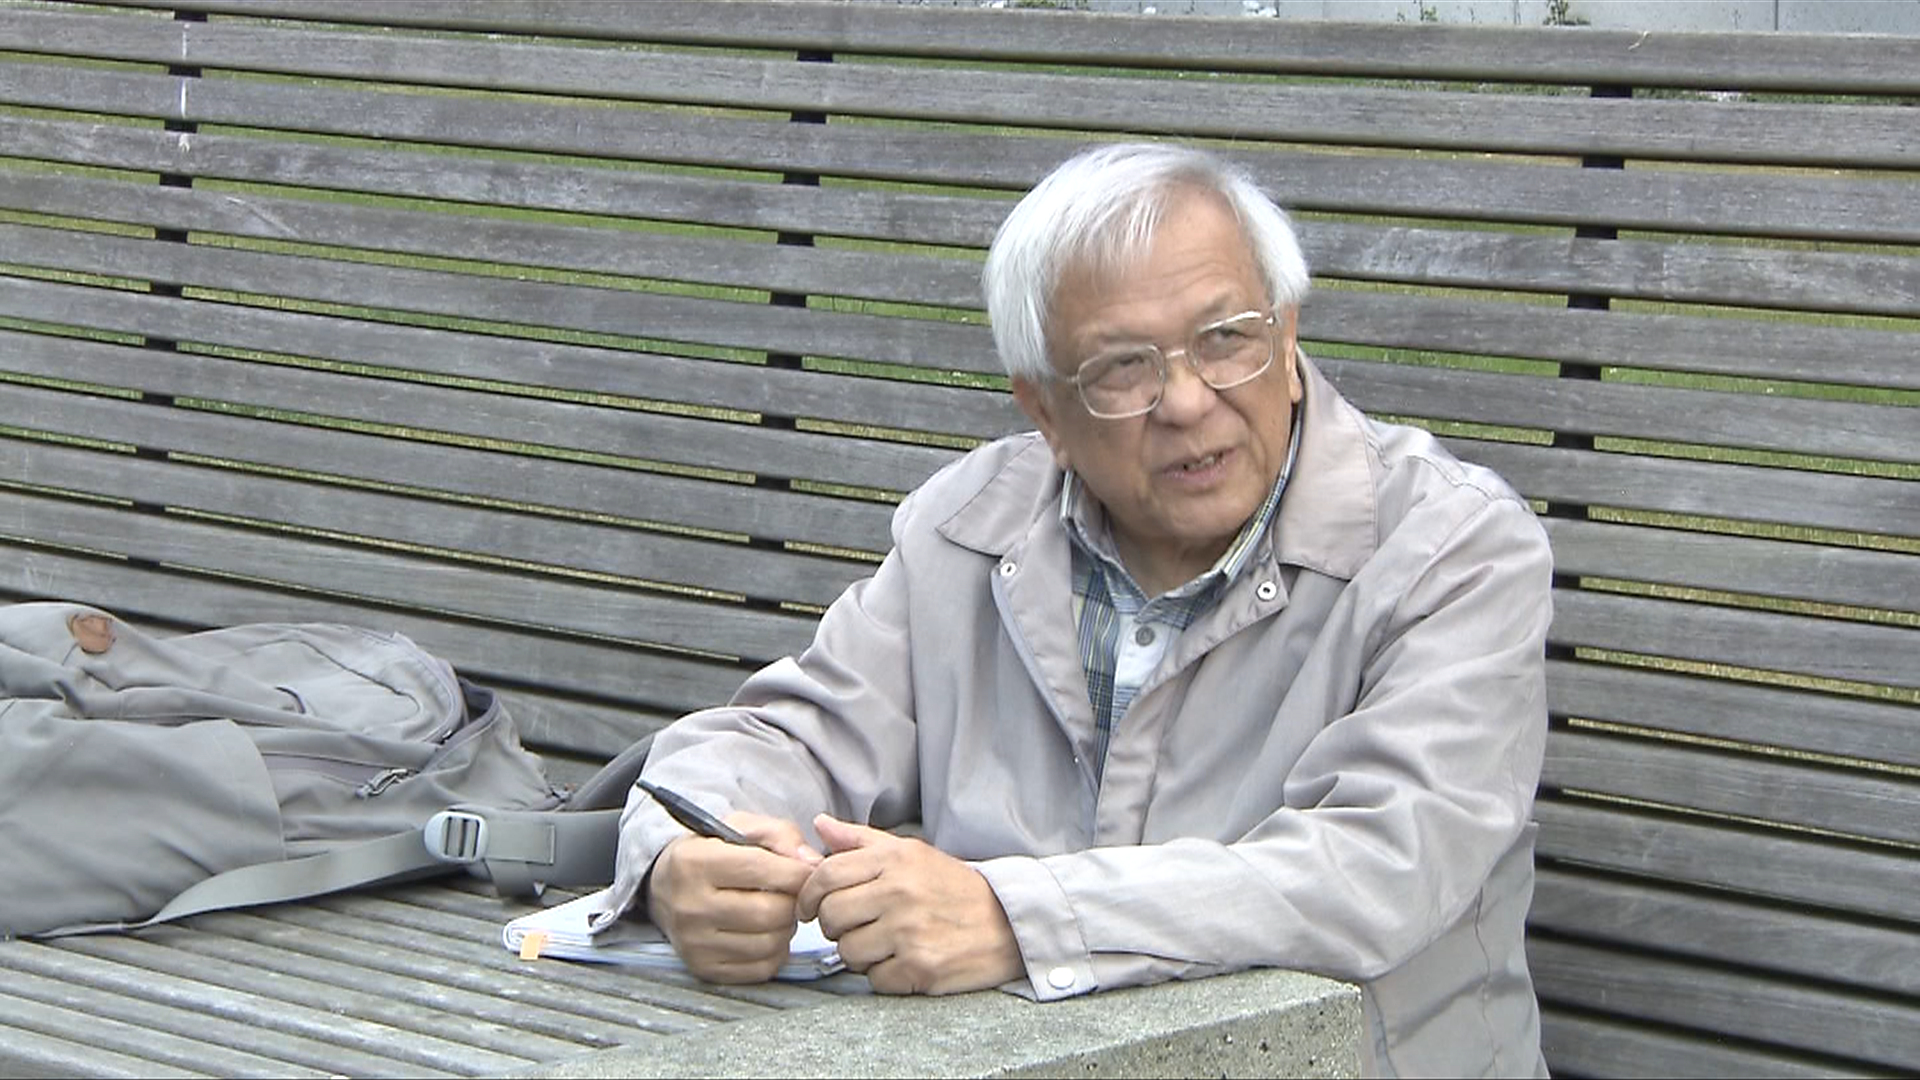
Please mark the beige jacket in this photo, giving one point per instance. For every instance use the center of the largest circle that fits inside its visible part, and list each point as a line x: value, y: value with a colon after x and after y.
x: 1332, y: 770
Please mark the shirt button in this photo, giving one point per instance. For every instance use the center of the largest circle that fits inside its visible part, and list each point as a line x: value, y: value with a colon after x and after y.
x: 1060, y: 978
x: 1267, y: 590
x: 1143, y: 636
x: 1007, y: 569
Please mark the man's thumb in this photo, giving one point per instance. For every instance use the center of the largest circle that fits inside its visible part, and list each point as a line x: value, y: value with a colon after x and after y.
x: 844, y: 835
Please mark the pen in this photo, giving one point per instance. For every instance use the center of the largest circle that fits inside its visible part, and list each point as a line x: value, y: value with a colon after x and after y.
x: 684, y: 811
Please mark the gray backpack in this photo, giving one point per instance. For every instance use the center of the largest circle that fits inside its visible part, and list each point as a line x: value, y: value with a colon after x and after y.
x: 145, y: 778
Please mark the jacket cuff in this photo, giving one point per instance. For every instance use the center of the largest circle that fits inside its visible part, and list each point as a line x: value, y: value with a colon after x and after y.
x: 645, y: 831
x: 1051, y: 944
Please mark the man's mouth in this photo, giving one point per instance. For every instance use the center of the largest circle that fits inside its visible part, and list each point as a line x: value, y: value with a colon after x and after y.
x: 1200, y: 463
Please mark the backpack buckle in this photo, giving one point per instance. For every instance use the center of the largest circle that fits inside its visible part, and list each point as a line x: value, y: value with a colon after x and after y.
x: 456, y: 836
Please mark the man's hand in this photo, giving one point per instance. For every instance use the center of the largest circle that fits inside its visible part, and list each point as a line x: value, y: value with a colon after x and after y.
x: 729, y: 909
x: 913, y: 918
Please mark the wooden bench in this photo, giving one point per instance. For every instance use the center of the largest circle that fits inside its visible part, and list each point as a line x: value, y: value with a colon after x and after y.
x: 589, y: 345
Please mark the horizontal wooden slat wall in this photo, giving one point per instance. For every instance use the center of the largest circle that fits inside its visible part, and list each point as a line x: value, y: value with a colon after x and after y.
x: 579, y: 340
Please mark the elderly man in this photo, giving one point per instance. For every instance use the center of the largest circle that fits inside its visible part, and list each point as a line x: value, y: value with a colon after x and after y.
x: 1210, y: 672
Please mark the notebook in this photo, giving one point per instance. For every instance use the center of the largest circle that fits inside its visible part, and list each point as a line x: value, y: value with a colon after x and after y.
x: 561, y: 931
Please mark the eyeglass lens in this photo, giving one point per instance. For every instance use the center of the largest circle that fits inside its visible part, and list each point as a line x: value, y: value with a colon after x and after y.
x: 1224, y: 354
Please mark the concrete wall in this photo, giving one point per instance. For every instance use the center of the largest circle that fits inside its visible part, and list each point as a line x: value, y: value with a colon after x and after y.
x: 1846, y: 16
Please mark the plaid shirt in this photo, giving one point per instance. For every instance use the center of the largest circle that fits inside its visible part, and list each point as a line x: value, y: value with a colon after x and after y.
x: 1123, y: 633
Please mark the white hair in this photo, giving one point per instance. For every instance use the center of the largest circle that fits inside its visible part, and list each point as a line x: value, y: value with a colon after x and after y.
x: 1100, y: 209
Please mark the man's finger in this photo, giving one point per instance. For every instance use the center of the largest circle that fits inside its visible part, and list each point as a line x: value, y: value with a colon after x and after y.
x: 731, y: 866
x: 778, y: 835
x: 839, y: 871
x: 845, y: 835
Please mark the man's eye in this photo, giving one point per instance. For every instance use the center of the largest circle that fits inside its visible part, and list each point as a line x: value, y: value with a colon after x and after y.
x: 1124, y: 367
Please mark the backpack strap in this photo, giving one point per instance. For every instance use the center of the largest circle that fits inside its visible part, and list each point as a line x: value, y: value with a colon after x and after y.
x: 519, y: 850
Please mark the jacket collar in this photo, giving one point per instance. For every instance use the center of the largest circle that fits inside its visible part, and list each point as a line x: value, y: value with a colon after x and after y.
x: 1326, y: 520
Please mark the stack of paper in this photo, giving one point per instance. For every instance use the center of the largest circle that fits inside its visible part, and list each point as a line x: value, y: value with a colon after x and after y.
x: 562, y: 931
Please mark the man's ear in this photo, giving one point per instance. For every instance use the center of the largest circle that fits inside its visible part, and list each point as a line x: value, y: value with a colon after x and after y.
x: 1287, y: 344
x: 1032, y: 398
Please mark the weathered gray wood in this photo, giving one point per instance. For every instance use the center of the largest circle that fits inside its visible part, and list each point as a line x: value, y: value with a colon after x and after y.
x: 1800, y: 868
x: 1739, y: 203
x: 1709, y: 417
x: 239, y: 955
x: 1829, y: 724
x: 1863, y: 136
x: 910, y: 341
x: 1765, y: 349
x: 639, y: 437
x: 515, y: 362
x: 465, y: 956
x: 1737, y: 492
x: 1693, y: 273
x: 1631, y: 269
x: 464, y: 471
x: 1718, y: 928
x: 1552, y: 55
x: 1780, y: 1012
x: 758, y: 264
x: 502, y: 537
x: 207, y: 1012
x: 706, y: 199
x: 1769, y: 641
x: 1824, y: 797
x: 1581, y: 1044
x: 166, y: 1052
x: 1872, y: 579
x: 30, y: 1053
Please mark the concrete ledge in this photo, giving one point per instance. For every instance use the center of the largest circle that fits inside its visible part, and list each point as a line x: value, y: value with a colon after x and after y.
x: 1255, y: 1023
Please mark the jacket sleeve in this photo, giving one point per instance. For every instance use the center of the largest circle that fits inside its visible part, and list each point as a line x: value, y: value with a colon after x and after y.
x: 1394, y: 816
x: 829, y: 731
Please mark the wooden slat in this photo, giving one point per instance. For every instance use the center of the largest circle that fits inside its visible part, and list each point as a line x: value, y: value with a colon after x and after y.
x: 1710, y: 417
x: 1000, y: 161
x: 1622, y: 269
x: 1769, y: 641
x: 541, y: 365
x: 915, y: 342
x: 468, y: 472
x: 1739, y: 203
x: 1830, y: 62
x: 1839, y: 801
x: 1801, y: 571
x: 706, y: 199
x: 243, y: 949
x: 206, y: 1012
x: 557, y: 425
x: 1737, y: 492
x: 463, y: 955
x: 430, y: 584
x: 1742, y: 1004
x: 402, y: 521
x: 1823, y: 135
x: 1582, y: 1044
x: 1795, y: 868
x: 1714, y: 927
x: 1828, y: 724
x: 755, y: 265
x: 31, y: 1053
x: 1692, y: 273
x: 71, y: 1012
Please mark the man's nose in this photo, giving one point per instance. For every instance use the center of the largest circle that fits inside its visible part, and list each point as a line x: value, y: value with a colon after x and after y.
x: 1186, y: 395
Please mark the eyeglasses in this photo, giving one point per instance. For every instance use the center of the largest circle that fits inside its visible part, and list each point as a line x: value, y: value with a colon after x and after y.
x: 1130, y: 381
